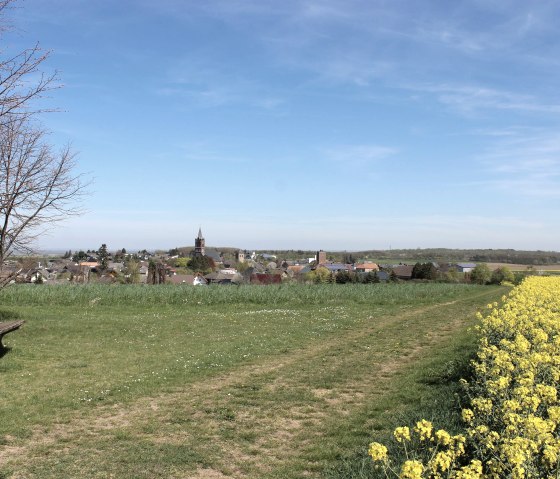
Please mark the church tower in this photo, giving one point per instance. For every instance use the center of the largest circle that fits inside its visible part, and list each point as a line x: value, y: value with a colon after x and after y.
x: 199, y: 244
x: 321, y: 257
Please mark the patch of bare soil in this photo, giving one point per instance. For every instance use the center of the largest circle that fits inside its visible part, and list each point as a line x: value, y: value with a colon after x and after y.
x: 208, y: 474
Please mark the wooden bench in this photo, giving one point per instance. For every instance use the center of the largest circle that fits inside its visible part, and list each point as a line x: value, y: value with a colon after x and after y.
x: 8, y: 327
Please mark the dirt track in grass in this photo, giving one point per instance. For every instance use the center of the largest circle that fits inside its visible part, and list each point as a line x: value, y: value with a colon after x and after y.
x: 279, y: 417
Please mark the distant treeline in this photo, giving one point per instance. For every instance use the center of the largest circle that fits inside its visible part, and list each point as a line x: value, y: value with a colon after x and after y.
x: 432, y: 254
x: 406, y: 255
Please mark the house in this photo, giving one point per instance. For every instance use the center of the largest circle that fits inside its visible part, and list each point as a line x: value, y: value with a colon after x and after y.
x: 48, y: 274
x: 215, y: 255
x: 306, y: 269
x: 231, y: 271
x: 296, y: 268
x: 257, y: 268
x: 270, y: 266
x: 297, y: 271
x: 77, y: 273
x: 366, y: 267
x: 89, y: 264
x: 383, y: 276
x: 188, y: 279
x: 34, y: 275
x: 223, y: 278
x: 335, y: 267
x: 403, y: 271
x: 465, y: 267
x: 283, y: 273
x: 115, y: 266
x: 266, y: 278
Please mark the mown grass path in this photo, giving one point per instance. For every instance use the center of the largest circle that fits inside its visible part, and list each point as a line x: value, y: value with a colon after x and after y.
x: 264, y: 393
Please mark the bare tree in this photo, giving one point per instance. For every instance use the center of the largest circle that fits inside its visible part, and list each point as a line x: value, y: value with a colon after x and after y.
x: 21, y: 80
x: 37, y: 185
x: 16, y: 89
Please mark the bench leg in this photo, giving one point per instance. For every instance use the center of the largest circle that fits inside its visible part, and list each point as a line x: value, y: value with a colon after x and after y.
x: 3, y: 348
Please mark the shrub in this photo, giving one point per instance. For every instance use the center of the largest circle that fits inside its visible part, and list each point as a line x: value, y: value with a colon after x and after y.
x: 502, y: 275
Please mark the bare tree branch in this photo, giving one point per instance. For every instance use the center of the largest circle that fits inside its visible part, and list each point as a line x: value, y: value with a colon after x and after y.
x: 37, y: 185
x: 19, y: 85
x: 21, y: 78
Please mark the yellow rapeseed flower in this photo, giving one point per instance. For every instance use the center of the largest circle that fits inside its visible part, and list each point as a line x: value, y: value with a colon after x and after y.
x: 443, y: 437
x: 482, y: 405
x: 377, y: 451
x: 441, y: 462
x: 424, y: 429
x: 471, y: 471
x: 411, y: 470
x: 402, y: 434
x: 467, y: 415
x: 554, y: 414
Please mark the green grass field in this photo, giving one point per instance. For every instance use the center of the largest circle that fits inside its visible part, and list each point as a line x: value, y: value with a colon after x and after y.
x: 242, y: 382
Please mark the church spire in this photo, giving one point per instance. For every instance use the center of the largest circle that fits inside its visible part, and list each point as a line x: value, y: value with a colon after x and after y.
x: 199, y: 244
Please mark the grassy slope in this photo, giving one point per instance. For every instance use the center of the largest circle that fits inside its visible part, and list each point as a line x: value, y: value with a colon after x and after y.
x: 257, y: 388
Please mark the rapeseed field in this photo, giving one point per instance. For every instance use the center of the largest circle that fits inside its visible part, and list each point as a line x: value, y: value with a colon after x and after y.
x: 512, y: 419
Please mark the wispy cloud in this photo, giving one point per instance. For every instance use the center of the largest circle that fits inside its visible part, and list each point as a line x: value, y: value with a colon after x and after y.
x: 359, y: 155
x: 354, y: 68
x: 469, y: 99
x: 198, y: 79
x: 527, y: 164
x: 366, y: 44
x: 210, y: 158
x: 204, y: 96
x: 535, y: 186
x: 450, y: 37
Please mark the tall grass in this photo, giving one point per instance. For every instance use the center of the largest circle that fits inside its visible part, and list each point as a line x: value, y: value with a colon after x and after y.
x: 296, y: 294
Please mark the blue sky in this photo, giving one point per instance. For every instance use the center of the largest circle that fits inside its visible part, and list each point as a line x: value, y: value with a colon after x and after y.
x: 333, y: 124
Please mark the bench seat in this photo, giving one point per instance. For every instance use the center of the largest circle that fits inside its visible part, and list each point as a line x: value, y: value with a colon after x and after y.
x: 8, y: 327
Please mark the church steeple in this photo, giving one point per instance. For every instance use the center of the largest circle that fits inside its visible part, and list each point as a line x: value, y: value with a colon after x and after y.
x: 199, y: 244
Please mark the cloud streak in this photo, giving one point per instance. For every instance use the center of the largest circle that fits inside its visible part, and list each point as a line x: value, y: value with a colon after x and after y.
x: 359, y: 155
x: 360, y: 43
x: 527, y: 164
x: 468, y: 99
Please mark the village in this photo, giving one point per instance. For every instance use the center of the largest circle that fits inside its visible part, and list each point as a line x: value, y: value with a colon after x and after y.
x: 200, y: 265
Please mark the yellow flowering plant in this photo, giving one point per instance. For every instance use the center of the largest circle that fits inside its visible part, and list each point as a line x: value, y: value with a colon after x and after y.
x: 428, y: 453
x: 512, y: 422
